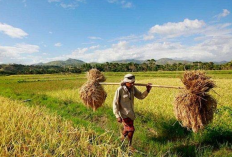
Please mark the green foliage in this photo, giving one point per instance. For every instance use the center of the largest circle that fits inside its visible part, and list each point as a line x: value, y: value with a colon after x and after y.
x: 77, y: 66
x: 13, y: 69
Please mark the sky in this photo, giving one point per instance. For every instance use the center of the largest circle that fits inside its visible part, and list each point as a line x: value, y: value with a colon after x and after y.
x: 34, y: 31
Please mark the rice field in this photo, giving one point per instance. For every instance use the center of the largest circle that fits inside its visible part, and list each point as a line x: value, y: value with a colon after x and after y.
x: 27, y: 131
x: 55, y: 98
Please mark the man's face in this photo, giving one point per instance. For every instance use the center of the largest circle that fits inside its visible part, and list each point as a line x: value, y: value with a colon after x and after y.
x: 130, y: 85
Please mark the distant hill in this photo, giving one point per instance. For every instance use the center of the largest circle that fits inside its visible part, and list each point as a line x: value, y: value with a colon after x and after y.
x: 78, y: 63
x: 69, y: 62
x: 128, y: 61
x: 161, y: 61
x: 164, y: 61
x: 219, y: 63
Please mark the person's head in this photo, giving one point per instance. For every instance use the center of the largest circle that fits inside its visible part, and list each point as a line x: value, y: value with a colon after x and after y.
x: 129, y: 80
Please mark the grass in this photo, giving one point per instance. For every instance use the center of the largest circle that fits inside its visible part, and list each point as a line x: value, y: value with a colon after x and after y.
x: 157, y: 131
x: 32, y: 131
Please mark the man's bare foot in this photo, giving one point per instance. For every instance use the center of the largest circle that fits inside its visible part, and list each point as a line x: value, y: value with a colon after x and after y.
x: 123, y: 138
x: 132, y: 149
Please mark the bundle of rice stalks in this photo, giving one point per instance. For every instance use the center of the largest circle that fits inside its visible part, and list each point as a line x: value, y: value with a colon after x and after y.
x: 95, y: 75
x: 193, y: 106
x: 197, y: 82
x: 92, y: 93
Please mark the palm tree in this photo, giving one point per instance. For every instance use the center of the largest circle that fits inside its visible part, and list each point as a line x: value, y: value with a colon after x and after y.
x: 144, y: 66
x: 151, y: 64
x: 107, y: 66
x: 132, y: 66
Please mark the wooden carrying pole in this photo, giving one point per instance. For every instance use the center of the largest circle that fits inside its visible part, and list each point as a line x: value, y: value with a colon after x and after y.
x: 141, y: 84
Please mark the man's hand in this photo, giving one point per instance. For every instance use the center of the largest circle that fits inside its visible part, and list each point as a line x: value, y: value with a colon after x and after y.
x: 119, y: 119
x: 149, y: 87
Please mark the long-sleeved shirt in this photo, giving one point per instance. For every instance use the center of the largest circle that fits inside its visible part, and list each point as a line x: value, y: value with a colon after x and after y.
x: 123, y: 103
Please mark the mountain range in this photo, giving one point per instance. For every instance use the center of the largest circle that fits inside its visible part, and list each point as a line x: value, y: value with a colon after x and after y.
x: 78, y: 63
x: 69, y: 62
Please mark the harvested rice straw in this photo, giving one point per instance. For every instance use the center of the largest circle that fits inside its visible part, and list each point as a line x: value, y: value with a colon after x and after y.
x: 193, y: 106
x: 95, y: 75
x: 92, y: 93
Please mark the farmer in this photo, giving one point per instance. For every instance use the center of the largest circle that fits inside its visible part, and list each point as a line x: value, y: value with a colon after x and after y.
x: 123, y: 104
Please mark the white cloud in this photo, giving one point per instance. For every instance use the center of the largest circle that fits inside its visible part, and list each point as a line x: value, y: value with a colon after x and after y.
x: 79, y: 51
x: 58, y: 44
x: 15, y: 53
x: 123, y: 3
x: 197, y: 29
x: 171, y: 30
x: 18, y: 49
x: 95, y: 38
x: 72, y: 4
x: 126, y: 4
x: 12, y: 31
x: 219, y: 46
x: 223, y: 14
x: 208, y: 42
x: 23, y: 54
x: 216, y: 49
x: 89, y: 43
x: 219, y: 30
x: 50, y: 32
x: 69, y: 6
x: 148, y: 37
x: 131, y: 38
x: 94, y: 47
x: 122, y: 45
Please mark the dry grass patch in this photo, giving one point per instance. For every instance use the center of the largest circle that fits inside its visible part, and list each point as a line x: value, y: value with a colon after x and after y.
x: 31, y: 131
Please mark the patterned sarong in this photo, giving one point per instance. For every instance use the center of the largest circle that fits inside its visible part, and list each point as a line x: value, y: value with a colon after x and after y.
x: 128, y: 125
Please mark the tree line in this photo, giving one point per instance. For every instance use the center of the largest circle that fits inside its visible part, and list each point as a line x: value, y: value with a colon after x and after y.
x: 13, y: 69
x: 149, y: 65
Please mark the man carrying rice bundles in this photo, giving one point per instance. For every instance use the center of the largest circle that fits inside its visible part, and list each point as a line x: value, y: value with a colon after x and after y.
x: 123, y: 104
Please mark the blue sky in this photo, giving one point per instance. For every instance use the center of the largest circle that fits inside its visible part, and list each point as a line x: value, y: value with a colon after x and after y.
x: 33, y: 31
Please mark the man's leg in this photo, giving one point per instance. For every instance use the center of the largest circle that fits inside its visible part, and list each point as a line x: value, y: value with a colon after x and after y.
x: 130, y: 136
x: 128, y: 129
x: 124, y: 134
